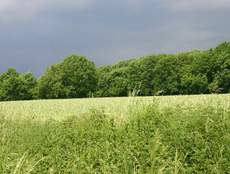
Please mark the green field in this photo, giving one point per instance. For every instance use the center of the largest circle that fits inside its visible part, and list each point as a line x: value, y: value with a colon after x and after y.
x: 170, y: 134
x: 117, y: 106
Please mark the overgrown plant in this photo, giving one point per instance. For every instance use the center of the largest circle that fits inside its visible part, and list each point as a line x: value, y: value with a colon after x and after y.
x: 151, y: 140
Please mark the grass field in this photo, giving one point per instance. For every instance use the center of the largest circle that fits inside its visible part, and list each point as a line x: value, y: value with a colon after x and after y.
x: 171, y: 134
x: 62, y: 109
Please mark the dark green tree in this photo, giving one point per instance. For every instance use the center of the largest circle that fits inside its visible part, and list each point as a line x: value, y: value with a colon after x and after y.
x: 15, y: 86
x: 75, y: 77
x: 193, y: 84
x: 167, y: 76
x: 220, y: 57
x: 141, y: 74
x: 112, y: 82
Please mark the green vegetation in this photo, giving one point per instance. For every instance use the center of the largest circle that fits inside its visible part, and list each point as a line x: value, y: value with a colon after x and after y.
x: 170, y: 134
x: 15, y: 86
x: 173, y: 134
x: 195, y: 72
x: 60, y: 109
x: 75, y: 77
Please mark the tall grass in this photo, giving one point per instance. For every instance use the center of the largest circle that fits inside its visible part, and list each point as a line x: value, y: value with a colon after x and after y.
x: 42, y: 110
x: 151, y: 140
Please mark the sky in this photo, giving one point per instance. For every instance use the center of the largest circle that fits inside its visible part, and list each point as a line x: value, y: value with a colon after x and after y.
x: 35, y: 34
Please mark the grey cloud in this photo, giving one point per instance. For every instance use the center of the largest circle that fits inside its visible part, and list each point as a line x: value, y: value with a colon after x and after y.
x: 105, y: 31
x: 197, y: 4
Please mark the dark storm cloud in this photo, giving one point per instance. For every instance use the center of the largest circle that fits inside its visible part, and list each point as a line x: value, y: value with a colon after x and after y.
x: 38, y: 33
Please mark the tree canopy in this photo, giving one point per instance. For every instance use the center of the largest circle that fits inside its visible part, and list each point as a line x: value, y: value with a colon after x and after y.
x: 15, y: 86
x: 74, y: 77
x: 194, y: 72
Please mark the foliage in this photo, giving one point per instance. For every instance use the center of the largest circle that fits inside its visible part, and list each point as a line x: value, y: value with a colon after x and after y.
x: 112, y: 82
x: 15, y: 86
x: 151, y: 140
x: 74, y: 77
x: 221, y: 66
x: 194, y: 72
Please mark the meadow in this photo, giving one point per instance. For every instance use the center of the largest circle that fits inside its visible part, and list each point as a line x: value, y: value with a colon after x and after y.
x: 168, y: 134
x: 60, y: 109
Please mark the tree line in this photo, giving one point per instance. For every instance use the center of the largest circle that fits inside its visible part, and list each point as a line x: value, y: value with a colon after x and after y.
x: 194, y: 72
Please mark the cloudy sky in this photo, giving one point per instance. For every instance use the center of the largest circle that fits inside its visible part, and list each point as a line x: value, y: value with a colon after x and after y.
x: 38, y: 33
